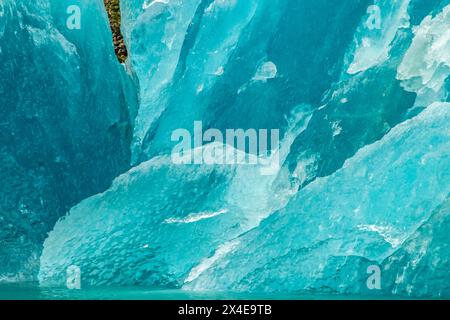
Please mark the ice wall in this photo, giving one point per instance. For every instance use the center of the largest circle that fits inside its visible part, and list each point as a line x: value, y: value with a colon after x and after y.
x: 426, y: 65
x: 199, y: 60
x: 359, y: 216
x: 364, y: 153
x: 65, y: 128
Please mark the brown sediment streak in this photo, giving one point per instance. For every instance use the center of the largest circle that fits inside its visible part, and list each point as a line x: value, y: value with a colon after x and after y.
x: 113, y: 10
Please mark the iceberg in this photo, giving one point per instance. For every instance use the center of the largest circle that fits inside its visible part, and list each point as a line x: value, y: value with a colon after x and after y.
x: 359, y: 108
x: 197, y: 61
x: 363, y: 170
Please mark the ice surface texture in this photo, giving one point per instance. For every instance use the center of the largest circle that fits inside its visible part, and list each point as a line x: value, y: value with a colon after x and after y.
x: 356, y: 217
x: 363, y: 114
x: 155, y: 224
x: 65, y: 128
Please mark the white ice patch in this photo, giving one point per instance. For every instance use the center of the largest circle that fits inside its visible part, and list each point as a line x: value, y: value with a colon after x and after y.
x: 372, y: 45
x: 208, y: 262
x: 195, y: 217
x: 147, y: 4
x: 221, y: 5
x: 50, y: 37
x: 219, y: 71
x: 426, y: 64
x: 336, y: 127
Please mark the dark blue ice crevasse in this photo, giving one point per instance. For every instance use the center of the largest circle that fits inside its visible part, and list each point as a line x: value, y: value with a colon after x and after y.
x: 65, y: 128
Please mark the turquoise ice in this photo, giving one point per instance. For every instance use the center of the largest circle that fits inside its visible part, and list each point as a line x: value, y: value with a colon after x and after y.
x: 65, y: 125
x: 358, y: 89
x: 362, y: 215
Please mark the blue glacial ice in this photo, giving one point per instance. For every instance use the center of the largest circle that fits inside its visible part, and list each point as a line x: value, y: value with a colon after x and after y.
x: 358, y: 216
x: 65, y: 127
x: 160, y: 220
x: 216, y: 51
x: 359, y: 90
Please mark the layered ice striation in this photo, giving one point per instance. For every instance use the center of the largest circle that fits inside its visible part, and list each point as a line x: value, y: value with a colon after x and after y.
x: 359, y: 216
x: 425, y: 252
x: 425, y: 67
x: 65, y: 126
x: 359, y: 91
x: 360, y: 107
x: 158, y: 222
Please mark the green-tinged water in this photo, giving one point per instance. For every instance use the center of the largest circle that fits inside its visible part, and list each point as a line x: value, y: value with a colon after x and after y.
x: 32, y: 291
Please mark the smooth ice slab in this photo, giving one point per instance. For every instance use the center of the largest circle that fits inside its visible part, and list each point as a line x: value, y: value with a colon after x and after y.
x: 352, y: 219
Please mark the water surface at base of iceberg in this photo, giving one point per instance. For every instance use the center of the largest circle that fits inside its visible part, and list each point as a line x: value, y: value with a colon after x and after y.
x: 32, y: 291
